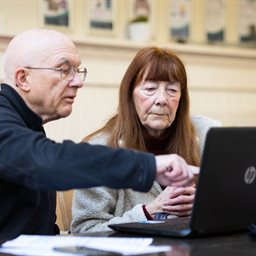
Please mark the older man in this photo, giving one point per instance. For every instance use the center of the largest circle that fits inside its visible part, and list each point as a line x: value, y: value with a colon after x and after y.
x: 42, y: 76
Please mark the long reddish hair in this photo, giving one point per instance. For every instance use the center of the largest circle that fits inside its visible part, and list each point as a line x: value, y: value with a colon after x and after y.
x: 155, y: 64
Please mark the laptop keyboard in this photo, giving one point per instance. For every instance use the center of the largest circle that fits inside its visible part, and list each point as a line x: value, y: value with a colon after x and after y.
x: 169, y: 227
x: 176, y: 224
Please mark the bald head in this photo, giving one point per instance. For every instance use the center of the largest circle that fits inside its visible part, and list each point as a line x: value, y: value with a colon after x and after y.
x: 32, y: 48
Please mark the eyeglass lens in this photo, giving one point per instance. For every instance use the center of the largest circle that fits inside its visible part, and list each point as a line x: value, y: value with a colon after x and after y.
x: 72, y: 72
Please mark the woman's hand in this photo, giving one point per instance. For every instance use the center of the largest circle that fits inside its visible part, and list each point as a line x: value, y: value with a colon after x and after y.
x: 157, y: 204
x: 180, y: 202
x: 174, y: 201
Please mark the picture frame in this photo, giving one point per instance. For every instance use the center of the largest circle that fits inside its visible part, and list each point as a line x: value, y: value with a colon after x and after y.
x: 247, y: 22
x: 56, y: 14
x: 215, y: 21
x: 179, y: 20
x: 140, y: 20
x: 101, y: 17
x: 139, y: 8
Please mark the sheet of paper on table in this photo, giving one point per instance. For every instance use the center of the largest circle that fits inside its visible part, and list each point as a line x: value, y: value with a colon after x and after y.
x: 44, y: 245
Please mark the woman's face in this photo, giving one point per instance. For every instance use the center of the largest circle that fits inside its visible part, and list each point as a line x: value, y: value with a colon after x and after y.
x: 156, y: 104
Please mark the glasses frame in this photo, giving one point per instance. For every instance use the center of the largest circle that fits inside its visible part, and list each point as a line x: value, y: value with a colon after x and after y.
x: 73, y: 71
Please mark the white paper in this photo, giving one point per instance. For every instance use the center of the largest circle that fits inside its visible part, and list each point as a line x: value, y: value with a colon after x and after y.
x: 43, y: 245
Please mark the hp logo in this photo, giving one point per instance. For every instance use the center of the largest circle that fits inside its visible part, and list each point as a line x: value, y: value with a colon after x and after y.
x: 250, y: 175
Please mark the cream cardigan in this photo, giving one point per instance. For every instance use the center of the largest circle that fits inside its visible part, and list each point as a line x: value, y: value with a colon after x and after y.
x: 95, y: 208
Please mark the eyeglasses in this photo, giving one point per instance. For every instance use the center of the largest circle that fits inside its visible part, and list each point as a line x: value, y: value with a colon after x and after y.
x: 67, y: 74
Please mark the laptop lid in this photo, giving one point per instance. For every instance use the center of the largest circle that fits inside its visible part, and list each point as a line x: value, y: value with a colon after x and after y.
x: 224, y: 199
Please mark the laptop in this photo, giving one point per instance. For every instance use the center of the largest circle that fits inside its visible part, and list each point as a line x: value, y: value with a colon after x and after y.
x: 226, y: 189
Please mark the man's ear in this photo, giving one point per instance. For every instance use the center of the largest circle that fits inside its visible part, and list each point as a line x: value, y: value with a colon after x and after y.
x: 21, y: 78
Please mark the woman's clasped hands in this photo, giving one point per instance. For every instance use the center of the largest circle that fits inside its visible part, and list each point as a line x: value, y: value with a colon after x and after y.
x: 177, y: 201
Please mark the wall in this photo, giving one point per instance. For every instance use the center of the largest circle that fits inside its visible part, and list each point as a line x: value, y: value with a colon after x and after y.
x: 222, y: 80
x: 222, y: 85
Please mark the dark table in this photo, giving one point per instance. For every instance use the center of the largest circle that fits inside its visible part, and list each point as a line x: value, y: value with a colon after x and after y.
x: 239, y: 244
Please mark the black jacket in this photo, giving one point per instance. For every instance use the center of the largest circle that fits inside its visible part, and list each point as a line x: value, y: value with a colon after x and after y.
x: 33, y: 167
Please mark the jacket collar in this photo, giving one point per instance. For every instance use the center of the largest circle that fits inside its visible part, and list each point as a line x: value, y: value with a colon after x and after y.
x: 31, y: 119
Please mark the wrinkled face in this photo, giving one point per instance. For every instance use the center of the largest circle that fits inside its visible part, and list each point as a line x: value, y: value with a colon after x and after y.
x: 51, y: 96
x: 156, y: 103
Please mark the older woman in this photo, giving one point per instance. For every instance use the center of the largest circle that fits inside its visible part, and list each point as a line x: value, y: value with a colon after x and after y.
x: 152, y: 116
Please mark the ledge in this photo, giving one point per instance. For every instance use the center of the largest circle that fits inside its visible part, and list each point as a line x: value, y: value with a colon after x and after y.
x: 113, y: 46
x: 228, y: 51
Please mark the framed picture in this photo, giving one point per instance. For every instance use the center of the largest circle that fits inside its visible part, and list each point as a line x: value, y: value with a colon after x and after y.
x: 102, y: 17
x: 56, y: 13
x: 247, y: 21
x: 215, y: 17
x: 140, y: 9
x: 140, y: 20
x: 180, y: 20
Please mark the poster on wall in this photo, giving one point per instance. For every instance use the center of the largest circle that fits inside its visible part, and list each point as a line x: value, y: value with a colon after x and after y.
x: 56, y: 13
x: 247, y: 21
x: 180, y: 20
x: 141, y: 10
x: 140, y: 20
x: 102, y: 16
x: 215, y: 20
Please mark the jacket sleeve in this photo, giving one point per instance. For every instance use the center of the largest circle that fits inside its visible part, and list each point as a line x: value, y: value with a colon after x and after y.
x: 95, y: 208
x: 30, y: 159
